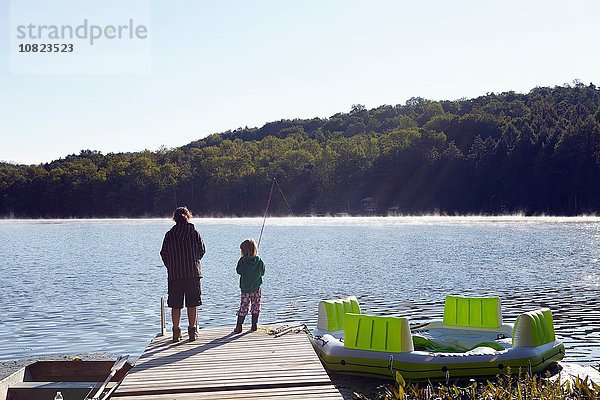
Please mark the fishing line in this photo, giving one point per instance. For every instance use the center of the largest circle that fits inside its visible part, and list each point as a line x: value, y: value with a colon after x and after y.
x: 284, y: 199
x: 267, y: 208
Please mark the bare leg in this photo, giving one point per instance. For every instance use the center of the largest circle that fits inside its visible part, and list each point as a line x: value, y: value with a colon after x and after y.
x: 192, y: 314
x: 176, y: 316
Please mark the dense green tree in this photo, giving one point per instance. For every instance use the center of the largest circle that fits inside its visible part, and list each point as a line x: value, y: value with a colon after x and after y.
x: 537, y: 153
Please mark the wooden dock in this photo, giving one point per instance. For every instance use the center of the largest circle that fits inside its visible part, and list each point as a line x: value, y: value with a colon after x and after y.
x: 222, y: 365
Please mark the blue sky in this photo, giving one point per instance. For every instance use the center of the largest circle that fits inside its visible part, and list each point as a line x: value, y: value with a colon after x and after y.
x: 218, y: 65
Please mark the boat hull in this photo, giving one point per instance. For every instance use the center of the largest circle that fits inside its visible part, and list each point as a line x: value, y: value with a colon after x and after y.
x: 421, y: 365
x: 74, y: 379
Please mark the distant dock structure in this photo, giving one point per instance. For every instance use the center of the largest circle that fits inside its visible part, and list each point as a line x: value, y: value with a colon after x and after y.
x: 222, y: 365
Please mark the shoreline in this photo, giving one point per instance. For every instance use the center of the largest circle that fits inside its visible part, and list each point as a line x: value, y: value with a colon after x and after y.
x: 328, y: 217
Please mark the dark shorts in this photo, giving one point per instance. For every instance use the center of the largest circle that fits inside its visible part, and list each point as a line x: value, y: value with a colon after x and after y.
x: 188, y: 288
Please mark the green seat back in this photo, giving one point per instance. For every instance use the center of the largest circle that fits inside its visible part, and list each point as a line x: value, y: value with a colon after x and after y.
x: 533, y: 328
x: 472, y: 312
x: 370, y: 332
x: 331, y: 313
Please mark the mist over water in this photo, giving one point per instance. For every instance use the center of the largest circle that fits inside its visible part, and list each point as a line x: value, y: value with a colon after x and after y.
x: 76, y: 286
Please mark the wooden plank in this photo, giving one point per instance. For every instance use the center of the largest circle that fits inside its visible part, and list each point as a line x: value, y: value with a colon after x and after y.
x: 222, y: 365
x: 222, y: 380
x: 308, y: 392
x: 203, y: 374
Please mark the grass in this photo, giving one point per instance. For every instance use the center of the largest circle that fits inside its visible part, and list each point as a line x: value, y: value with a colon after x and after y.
x: 505, y: 387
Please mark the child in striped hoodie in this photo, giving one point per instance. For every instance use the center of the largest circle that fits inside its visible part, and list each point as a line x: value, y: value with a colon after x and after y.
x: 181, y: 252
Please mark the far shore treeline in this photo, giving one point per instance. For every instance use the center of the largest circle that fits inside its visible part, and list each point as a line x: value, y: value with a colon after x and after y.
x: 535, y: 153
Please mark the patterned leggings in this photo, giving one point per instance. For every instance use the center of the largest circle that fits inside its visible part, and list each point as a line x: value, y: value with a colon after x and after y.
x: 246, y: 299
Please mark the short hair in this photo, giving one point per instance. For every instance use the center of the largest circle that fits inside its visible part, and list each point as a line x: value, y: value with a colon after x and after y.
x: 181, y: 215
x: 249, y: 248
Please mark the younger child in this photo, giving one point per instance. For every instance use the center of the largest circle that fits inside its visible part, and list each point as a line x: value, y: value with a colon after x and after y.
x: 251, y: 270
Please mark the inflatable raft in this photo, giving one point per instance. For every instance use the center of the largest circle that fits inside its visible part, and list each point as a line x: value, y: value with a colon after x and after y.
x: 470, y: 341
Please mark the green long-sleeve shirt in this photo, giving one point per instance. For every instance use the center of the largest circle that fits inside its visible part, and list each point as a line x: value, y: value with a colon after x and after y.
x: 251, y: 271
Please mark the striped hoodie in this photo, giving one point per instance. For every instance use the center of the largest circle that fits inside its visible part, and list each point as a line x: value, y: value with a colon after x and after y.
x: 182, y: 250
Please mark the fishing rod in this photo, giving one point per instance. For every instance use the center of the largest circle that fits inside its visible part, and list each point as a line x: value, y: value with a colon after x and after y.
x: 266, y: 212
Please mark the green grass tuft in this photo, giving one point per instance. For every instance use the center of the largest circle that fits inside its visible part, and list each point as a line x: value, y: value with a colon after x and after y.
x: 505, y: 387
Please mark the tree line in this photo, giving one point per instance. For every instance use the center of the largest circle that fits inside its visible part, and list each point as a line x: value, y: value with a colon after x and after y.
x: 534, y: 153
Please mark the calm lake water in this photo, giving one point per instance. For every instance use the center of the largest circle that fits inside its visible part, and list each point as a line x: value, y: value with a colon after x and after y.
x: 78, y: 286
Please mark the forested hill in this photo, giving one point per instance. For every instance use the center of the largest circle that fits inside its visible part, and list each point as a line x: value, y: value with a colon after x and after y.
x: 535, y: 153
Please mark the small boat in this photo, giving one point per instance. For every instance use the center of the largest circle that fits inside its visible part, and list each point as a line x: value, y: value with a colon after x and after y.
x: 74, y: 379
x: 471, y: 341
